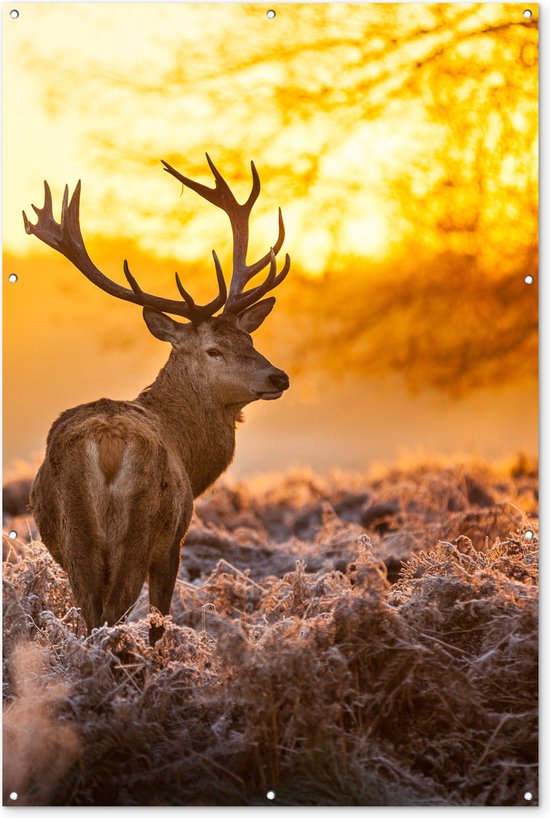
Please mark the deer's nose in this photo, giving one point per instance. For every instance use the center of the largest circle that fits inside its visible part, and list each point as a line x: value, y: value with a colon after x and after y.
x: 279, y: 380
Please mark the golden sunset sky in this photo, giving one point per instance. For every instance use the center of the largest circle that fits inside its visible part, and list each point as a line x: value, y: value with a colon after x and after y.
x: 400, y: 141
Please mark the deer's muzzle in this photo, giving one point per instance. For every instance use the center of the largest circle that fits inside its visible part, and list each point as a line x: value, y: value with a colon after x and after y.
x: 279, y: 381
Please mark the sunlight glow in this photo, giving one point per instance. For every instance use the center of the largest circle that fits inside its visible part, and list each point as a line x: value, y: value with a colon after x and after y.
x: 399, y: 140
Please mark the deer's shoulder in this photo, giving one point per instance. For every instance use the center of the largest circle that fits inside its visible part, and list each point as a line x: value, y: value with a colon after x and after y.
x: 117, y: 416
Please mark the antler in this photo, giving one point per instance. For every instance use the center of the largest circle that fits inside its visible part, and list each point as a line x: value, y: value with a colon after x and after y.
x: 239, y: 214
x: 66, y: 238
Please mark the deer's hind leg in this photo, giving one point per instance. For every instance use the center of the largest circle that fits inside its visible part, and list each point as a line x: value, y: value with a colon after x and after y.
x: 128, y: 559
x: 87, y: 575
x: 125, y: 584
x: 173, y: 521
x: 163, y: 572
x: 43, y: 502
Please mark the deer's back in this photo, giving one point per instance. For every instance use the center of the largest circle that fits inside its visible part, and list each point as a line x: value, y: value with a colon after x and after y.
x: 104, y: 460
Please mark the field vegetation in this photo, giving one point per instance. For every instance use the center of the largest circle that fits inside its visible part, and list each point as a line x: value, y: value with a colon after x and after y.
x: 342, y: 640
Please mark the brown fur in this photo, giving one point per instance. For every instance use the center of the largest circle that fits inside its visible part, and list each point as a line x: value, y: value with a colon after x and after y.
x: 114, y: 496
x: 110, y: 448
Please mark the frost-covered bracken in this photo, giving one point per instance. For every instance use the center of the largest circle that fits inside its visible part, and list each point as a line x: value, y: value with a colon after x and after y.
x: 346, y: 640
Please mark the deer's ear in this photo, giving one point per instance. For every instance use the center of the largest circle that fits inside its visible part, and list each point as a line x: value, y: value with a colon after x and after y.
x: 162, y: 326
x: 251, y: 318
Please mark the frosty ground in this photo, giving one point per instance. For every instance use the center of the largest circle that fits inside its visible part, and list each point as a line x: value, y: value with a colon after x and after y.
x: 343, y: 640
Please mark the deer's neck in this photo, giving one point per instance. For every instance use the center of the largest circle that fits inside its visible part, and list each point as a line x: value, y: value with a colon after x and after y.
x: 199, y: 432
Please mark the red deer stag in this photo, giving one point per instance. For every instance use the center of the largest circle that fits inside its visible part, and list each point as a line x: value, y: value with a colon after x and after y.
x: 114, y: 496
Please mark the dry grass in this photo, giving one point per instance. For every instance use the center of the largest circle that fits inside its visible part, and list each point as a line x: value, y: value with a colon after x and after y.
x: 343, y: 641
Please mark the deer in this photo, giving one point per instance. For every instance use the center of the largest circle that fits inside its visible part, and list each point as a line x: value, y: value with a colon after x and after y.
x: 113, y: 498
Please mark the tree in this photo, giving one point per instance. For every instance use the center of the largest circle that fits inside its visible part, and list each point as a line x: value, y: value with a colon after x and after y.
x: 401, y: 140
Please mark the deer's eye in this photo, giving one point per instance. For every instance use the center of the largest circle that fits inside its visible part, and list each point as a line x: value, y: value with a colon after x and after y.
x: 214, y: 353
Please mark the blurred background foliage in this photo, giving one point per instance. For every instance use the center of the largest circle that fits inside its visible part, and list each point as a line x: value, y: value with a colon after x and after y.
x: 399, y: 139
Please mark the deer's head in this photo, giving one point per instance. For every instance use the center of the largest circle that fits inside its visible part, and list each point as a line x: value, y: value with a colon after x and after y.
x: 219, y: 353
x: 217, y: 349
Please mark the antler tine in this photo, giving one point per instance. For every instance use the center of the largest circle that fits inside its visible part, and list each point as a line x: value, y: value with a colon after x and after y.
x: 227, y: 197
x: 64, y: 207
x: 259, y: 265
x: 221, y: 298
x: 240, y: 302
x: 208, y: 193
x: 222, y: 196
x: 47, y: 203
x: 256, y: 186
x: 208, y: 310
x: 48, y: 197
x: 66, y: 237
x: 47, y: 228
x: 187, y: 297
x: 136, y: 289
